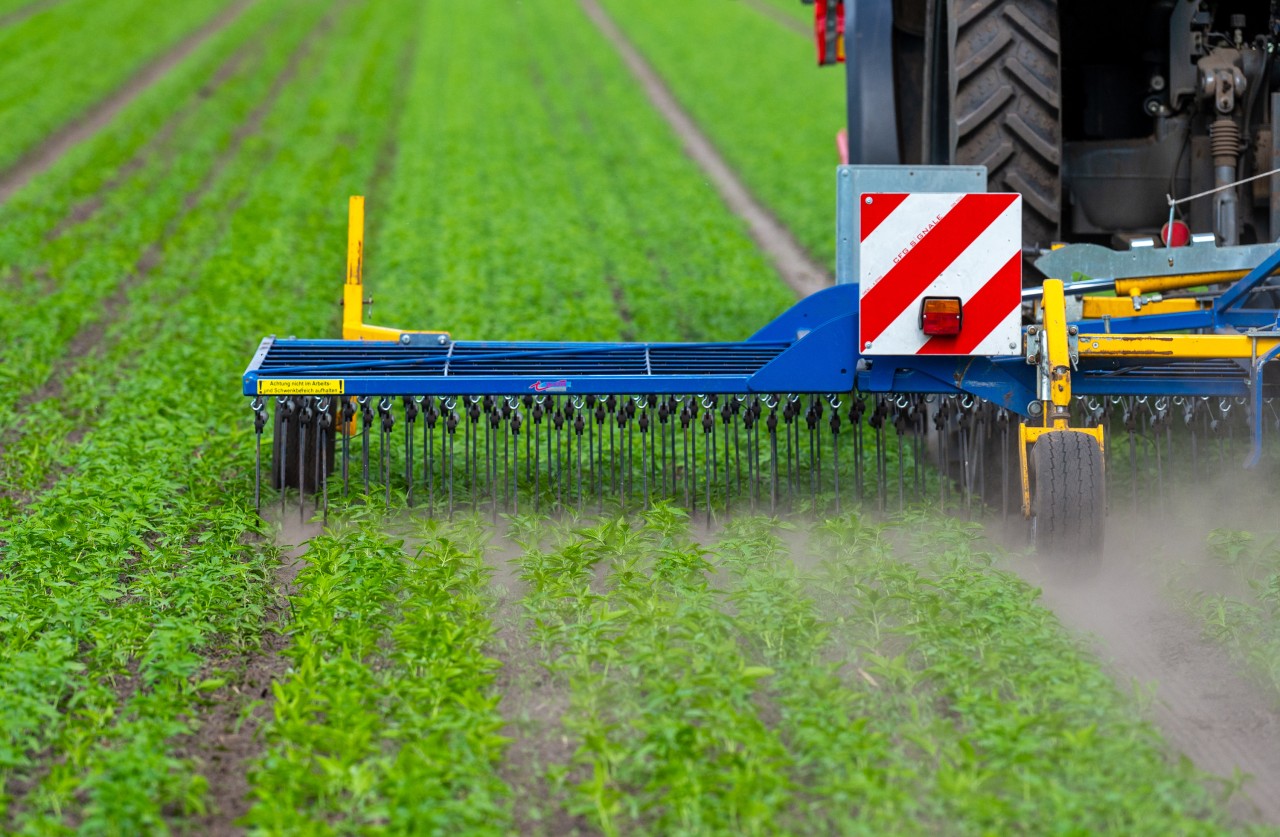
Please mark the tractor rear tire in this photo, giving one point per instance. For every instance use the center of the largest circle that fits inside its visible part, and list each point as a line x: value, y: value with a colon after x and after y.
x: 1069, y: 505
x: 1006, y: 103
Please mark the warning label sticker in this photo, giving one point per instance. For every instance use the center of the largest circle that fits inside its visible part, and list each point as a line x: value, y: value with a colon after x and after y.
x: 301, y: 386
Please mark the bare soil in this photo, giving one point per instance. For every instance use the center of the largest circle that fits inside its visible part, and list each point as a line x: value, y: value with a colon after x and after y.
x: 20, y: 14
x: 228, y: 739
x: 533, y: 702
x: 795, y: 266
x: 100, y: 115
x: 1206, y: 706
x: 778, y: 15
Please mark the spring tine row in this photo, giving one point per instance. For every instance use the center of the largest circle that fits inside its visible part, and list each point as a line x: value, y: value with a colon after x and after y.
x: 717, y: 454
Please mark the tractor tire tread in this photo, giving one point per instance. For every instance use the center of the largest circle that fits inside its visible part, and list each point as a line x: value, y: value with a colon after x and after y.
x: 1007, y: 77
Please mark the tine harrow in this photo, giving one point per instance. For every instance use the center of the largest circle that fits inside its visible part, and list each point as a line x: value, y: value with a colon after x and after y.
x: 878, y: 393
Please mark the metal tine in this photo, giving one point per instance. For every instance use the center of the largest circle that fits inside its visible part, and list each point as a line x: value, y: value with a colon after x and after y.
x: 857, y: 407
x: 835, y: 449
x: 771, y: 424
x: 811, y: 419
x: 673, y: 413
x: 578, y: 425
x: 471, y: 451
x: 284, y: 406
x: 709, y: 410
x: 920, y: 414
x: 645, y: 458
x: 304, y: 418
x: 429, y: 418
x: 551, y: 410
x: 325, y: 422
x: 622, y: 462
x: 450, y: 430
x: 726, y: 416
x: 259, y: 422
x: 410, y: 416
x: 685, y: 420
x: 536, y: 414
x: 529, y: 471
x: 558, y: 420
x: 491, y: 448
x: 384, y: 455
x: 345, y: 415
x: 651, y: 405
x: 366, y: 420
x: 876, y: 421
x: 598, y: 469
x: 900, y: 425
x: 787, y: 417
x: 664, y: 418
x: 749, y: 425
x: 516, y: 421
x: 708, y: 427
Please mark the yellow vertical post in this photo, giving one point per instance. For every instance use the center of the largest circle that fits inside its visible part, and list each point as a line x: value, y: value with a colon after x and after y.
x: 353, y: 291
x: 1058, y: 351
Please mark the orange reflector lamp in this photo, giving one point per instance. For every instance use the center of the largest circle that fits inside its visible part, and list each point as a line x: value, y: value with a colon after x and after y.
x: 940, y: 316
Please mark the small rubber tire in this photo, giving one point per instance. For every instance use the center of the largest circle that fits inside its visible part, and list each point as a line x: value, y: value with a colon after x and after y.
x: 1069, y: 502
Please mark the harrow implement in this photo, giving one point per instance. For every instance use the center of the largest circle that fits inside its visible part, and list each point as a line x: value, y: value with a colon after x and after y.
x: 843, y: 398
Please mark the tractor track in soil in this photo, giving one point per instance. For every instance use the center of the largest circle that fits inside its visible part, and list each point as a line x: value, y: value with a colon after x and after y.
x: 34, y: 8
x: 99, y: 115
x: 160, y: 144
x: 93, y: 337
x: 793, y: 263
x: 777, y: 15
x: 1206, y: 707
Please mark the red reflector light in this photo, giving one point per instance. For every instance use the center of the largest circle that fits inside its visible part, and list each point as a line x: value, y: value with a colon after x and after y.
x: 940, y: 316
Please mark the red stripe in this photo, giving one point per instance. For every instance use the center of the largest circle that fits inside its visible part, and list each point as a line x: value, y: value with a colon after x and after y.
x: 871, y: 214
x: 907, y: 279
x: 983, y: 312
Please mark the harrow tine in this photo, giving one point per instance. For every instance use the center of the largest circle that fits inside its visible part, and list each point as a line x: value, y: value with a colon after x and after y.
x: 578, y: 425
x: 450, y: 430
x: 726, y: 416
x: 345, y: 415
x: 708, y: 425
x: 771, y: 425
x: 516, y: 421
x: 559, y: 421
x: 857, y: 408
x: 304, y: 417
x: 259, y: 422
x: 645, y: 457
x: 326, y: 422
x: 835, y: 449
x: 691, y: 443
x: 410, y: 416
x: 284, y: 406
x: 384, y: 455
x: 429, y: 419
x: 709, y: 414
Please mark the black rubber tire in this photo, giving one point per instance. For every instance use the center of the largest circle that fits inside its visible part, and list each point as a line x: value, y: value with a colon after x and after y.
x: 1069, y: 501
x: 1006, y: 104
x: 286, y: 439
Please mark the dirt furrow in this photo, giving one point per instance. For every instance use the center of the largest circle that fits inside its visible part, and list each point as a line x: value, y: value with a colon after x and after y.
x: 21, y: 14
x: 100, y: 115
x: 1205, y: 706
x: 794, y: 265
x: 779, y: 16
x: 161, y: 142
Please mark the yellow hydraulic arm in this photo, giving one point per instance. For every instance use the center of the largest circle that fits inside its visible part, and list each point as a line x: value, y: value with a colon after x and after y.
x: 353, y: 301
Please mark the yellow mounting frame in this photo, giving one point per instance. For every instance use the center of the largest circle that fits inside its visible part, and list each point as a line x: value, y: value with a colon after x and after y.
x: 1057, y: 408
x: 353, y: 301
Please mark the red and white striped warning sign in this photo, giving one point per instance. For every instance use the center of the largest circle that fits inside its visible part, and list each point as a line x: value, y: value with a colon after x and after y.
x: 940, y: 245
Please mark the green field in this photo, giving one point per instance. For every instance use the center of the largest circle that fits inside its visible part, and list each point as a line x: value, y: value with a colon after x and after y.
x: 169, y: 664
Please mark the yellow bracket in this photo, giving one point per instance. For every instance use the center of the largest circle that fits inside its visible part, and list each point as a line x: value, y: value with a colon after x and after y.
x: 353, y: 325
x: 1057, y: 363
x: 1097, y: 307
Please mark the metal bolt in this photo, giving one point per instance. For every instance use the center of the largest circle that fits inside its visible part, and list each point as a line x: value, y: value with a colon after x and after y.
x: 1013, y: 346
x: 868, y: 199
x: 866, y: 345
x: 442, y: 340
x: 404, y: 339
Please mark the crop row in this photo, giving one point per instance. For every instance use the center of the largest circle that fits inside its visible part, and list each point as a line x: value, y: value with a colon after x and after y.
x: 900, y: 684
x: 387, y: 718
x: 106, y: 43
x: 78, y: 241
x: 148, y: 539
